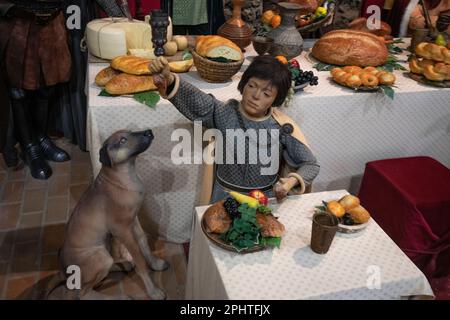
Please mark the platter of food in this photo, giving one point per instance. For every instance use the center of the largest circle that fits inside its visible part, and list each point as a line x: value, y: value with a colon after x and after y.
x: 352, y: 216
x: 242, y: 223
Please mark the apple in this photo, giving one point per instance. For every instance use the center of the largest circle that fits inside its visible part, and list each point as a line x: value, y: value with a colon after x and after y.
x: 260, y: 196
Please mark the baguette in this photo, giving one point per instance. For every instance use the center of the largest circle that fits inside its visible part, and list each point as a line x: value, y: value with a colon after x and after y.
x: 350, y: 47
x: 103, y: 77
x: 127, y: 84
x: 131, y: 64
x: 213, y: 46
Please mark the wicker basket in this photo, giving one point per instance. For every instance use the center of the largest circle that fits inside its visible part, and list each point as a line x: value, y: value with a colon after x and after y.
x: 212, y: 71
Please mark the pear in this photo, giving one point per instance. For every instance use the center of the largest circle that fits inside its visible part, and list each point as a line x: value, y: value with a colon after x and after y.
x: 440, y: 40
x: 242, y: 198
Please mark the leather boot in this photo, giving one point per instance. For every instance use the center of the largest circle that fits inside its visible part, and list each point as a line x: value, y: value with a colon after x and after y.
x: 23, y: 125
x: 51, y: 151
x: 33, y: 157
x: 40, y: 118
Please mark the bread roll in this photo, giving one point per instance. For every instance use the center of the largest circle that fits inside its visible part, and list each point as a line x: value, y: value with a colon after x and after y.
x: 102, y: 78
x: 359, y: 214
x: 349, y: 202
x: 218, y: 47
x: 131, y: 65
x: 350, y: 47
x: 128, y: 83
x: 335, y: 208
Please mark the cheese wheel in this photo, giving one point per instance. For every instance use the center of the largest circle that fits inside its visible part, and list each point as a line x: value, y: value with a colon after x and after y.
x: 111, y: 37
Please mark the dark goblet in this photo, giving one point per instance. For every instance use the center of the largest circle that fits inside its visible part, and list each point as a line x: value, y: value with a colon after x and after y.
x: 159, y: 21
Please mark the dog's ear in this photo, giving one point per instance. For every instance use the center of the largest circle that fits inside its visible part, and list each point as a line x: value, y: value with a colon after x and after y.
x: 104, y: 157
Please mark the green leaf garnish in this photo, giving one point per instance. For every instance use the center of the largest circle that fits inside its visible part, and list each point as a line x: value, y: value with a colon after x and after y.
x: 105, y: 93
x: 149, y: 98
x: 387, y: 90
x: 320, y: 66
x: 186, y: 55
x: 264, y: 209
x: 271, y: 241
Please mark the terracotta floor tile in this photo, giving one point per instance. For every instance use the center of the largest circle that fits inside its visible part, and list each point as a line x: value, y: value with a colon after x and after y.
x: 29, y: 227
x: 12, y: 192
x: 81, y: 173
x: 57, y: 210
x: 6, y: 245
x: 34, y: 200
x: 9, y: 216
x: 52, y: 238
x: 25, y: 258
x: 76, y: 192
x: 2, y: 177
x: 20, y: 287
x: 61, y: 168
x: 80, y: 157
x: 49, y: 262
x: 32, y: 183
x: 17, y: 174
x: 177, y: 261
x: 59, y: 185
x: 3, y: 275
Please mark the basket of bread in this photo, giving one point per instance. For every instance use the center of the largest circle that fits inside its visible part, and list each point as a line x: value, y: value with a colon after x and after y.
x: 431, y: 64
x: 352, y: 216
x: 216, y: 58
x: 242, y: 223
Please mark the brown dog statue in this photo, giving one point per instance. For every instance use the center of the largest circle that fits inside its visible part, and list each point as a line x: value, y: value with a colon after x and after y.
x: 104, y: 231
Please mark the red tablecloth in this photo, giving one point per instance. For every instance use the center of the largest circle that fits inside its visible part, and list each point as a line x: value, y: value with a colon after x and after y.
x: 410, y: 199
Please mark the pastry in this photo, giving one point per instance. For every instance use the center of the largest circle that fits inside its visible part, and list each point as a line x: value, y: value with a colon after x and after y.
x: 359, y: 214
x: 102, y: 78
x: 335, y: 208
x: 213, y: 46
x: 353, y: 69
x: 350, y: 48
x: 354, y: 81
x: 386, y: 78
x: 431, y: 74
x: 369, y: 80
x: 131, y: 64
x: 349, y: 202
x: 433, y: 51
x: 128, y: 83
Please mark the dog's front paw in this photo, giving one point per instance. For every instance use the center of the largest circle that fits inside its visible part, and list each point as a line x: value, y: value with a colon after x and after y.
x: 159, y: 265
x: 157, y: 294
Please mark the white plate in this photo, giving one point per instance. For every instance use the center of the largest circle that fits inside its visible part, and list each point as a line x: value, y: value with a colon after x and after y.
x: 352, y: 229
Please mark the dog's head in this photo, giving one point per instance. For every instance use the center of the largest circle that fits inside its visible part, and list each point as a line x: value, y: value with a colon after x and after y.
x: 123, y: 145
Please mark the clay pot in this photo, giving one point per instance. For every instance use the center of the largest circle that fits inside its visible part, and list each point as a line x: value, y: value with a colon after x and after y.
x: 235, y: 29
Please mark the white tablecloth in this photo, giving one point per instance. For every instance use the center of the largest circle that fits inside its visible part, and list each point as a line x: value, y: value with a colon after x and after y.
x: 345, y: 130
x: 350, y: 270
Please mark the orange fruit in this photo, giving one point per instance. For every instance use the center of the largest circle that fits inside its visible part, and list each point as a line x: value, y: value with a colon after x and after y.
x: 275, y: 21
x: 282, y: 59
x: 267, y: 16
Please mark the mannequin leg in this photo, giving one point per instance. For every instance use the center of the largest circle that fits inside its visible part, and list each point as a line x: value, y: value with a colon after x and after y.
x: 23, y: 124
x: 40, y: 115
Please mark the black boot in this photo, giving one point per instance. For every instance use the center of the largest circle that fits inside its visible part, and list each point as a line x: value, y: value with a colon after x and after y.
x: 40, y: 118
x: 33, y: 157
x: 31, y: 151
x: 51, y: 151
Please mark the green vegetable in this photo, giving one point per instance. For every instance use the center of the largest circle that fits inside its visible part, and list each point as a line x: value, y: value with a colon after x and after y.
x: 149, y: 98
x: 187, y: 55
x: 271, y: 241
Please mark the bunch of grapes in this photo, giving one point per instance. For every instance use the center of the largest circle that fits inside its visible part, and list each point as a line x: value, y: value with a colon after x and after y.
x: 299, y: 76
x: 306, y: 76
x: 231, y: 206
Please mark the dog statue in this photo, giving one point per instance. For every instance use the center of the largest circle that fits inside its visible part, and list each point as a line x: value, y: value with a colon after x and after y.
x: 104, y: 231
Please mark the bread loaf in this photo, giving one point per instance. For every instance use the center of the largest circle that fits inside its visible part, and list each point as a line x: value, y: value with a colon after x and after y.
x: 361, y: 25
x: 102, y: 78
x: 131, y: 64
x: 218, y: 47
x: 350, y: 47
x: 127, y: 83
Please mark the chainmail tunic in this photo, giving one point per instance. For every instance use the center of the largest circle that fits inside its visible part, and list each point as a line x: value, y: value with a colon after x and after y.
x: 111, y: 8
x: 199, y: 106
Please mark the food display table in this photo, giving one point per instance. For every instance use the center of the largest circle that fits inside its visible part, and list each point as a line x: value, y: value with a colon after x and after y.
x: 363, y: 265
x: 345, y: 130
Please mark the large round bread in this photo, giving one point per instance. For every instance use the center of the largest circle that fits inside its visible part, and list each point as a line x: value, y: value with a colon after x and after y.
x: 213, y: 46
x: 350, y: 48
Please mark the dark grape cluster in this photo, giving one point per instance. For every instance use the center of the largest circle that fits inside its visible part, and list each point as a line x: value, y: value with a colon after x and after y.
x: 347, y: 220
x: 231, y: 206
x: 306, y: 76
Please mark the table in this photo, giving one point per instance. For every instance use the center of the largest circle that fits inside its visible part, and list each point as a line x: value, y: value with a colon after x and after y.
x: 294, y: 271
x: 345, y: 130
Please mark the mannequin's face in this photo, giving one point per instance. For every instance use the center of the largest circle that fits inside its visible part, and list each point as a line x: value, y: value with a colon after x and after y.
x: 258, y: 96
